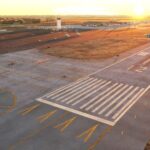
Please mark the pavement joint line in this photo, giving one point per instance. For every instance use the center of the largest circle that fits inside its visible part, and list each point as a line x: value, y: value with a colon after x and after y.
x: 20, y: 72
x: 12, y: 69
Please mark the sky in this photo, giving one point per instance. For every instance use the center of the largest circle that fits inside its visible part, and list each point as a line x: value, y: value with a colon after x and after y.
x: 74, y: 7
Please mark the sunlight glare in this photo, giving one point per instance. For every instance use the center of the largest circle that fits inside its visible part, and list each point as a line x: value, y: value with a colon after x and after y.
x: 139, y: 11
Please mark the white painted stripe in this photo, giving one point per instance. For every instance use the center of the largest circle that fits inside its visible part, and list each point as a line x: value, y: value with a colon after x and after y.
x: 146, y: 62
x: 90, y: 94
x: 61, y: 89
x: 105, y: 96
x: 96, y: 97
x: 130, y: 67
x: 76, y: 90
x: 108, y: 100
x: 139, y: 71
x: 102, y: 69
x: 118, y: 62
x: 80, y: 85
x: 116, y: 99
x: 122, y: 101
x: 80, y: 91
x: 88, y: 89
x: 77, y: 112
x: 143, y: 53
x: 65, y: 87
x: 129, y: 104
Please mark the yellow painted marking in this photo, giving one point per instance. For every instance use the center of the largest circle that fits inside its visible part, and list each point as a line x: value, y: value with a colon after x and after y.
x: 102, y: 135
x: 139, y: 70
x: 58, y: 119
x: 29, y: 109
x: 34, y: 133
x: 65, y: 124
x: 130, y: 67
x: 76, y: 112
x: 10, y: 107
x: 13, y: 99
x: 44, y: 117
x: 88, y: 133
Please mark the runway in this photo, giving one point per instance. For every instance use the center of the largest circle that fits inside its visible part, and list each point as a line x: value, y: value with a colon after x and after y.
x: 105, y: 95
x: 68, y: 104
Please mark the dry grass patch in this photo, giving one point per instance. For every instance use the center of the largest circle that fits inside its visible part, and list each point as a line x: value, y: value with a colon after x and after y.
x: 99, y: 44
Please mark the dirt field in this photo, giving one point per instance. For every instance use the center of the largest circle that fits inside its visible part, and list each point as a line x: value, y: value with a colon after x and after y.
x: 89, y: 45
x: 99, y: 44
x: 28, y: 40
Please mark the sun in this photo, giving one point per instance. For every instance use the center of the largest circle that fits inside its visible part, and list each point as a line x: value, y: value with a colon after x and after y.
x: 139, y: 11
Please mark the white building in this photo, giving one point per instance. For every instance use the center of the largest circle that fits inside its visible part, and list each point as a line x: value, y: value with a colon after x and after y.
x: 59, y: 27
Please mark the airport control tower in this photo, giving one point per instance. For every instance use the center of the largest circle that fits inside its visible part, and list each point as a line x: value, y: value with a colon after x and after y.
x: 59, y: 27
